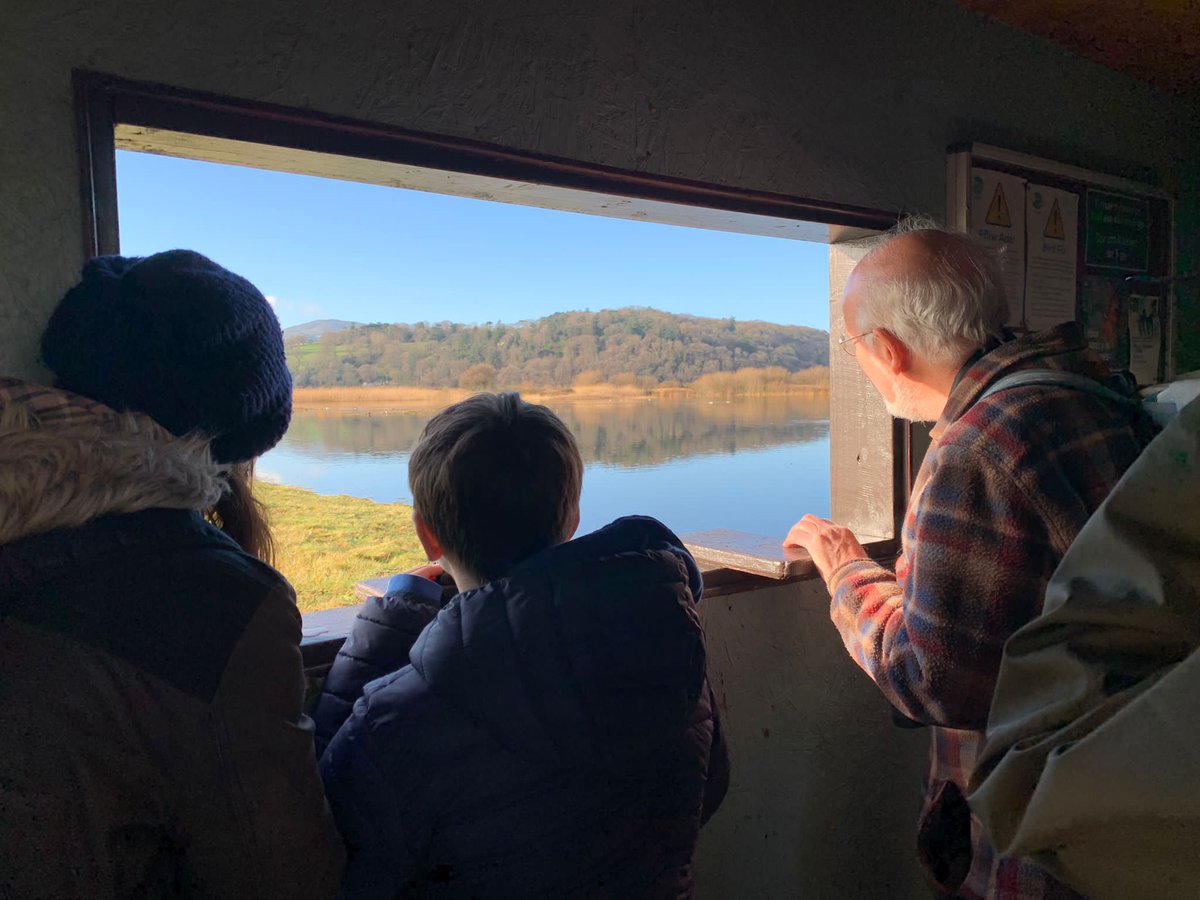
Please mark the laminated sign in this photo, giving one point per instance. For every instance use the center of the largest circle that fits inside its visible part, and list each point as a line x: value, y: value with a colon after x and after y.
x: 1052, y: 226
x: 996, y: 213
x: 1118, y: 232
x: 1145, y: 338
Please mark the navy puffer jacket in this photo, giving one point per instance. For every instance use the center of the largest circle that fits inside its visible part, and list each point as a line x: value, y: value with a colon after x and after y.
x: 554, y: 736
x: 384, y: 631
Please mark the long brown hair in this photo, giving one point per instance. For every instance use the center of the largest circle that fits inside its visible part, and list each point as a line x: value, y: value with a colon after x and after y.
x: 241, y: 516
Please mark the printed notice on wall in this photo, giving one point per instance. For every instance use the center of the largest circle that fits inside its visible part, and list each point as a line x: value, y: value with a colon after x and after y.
x: 1051, y: 248
x: 997, y: 217
x: 1145, y: 338
x: 1118, y: 232
x: 1100, y: 317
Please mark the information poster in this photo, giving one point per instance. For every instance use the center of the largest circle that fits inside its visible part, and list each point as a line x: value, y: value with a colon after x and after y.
x: 1118, y: 232
x: 997, y: 217
x: 1051, y: 248
x: 1145, y: 338
x: 1100, y: 311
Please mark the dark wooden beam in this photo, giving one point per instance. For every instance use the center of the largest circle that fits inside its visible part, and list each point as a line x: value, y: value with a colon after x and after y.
x: 97, y: 167
x: 112, y: 101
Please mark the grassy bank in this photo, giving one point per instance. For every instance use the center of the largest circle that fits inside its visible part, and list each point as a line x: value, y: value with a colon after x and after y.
x: 325, y: 544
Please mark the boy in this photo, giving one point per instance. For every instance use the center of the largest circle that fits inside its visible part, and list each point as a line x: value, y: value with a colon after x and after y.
x: 555, y: 734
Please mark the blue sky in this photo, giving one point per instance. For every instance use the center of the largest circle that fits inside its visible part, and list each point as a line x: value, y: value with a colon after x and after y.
x: 325, y: 249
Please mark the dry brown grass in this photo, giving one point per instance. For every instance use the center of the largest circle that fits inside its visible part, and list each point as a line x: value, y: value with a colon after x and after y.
x: 393, y: 398
x: 743, y: 382
x: 751, y: 382
x: 380, y: 397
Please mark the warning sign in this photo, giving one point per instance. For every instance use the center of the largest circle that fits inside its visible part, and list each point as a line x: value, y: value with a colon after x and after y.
x: 998, y: 213
x: 1054, y: 224
x: 1052, y: 218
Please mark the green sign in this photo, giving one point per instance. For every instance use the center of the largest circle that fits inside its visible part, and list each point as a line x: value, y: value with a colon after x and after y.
x: 1118, y: 232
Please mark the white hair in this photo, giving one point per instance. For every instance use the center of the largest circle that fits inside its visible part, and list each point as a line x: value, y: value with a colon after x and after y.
x: 944, y: 307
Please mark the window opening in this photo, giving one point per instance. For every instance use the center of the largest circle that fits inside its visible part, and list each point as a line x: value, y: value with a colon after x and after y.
x: 200, y: 129
x: 691, y: 365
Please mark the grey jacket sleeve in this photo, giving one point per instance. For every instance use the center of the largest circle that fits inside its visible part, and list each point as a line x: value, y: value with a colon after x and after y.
x: 277, y: 838
x: 1093, y: 742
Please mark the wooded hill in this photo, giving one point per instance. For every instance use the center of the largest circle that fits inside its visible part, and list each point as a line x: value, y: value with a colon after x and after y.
x: 633, y: 345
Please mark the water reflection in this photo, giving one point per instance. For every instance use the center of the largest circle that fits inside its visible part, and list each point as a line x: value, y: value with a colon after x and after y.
x: 753, y: 464
x: 629, y: 433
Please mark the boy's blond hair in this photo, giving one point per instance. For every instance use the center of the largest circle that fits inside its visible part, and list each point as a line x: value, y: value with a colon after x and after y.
x: 496, y: 479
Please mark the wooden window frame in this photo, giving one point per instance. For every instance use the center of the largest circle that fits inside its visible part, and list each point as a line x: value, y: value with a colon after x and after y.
x: 106, y: 103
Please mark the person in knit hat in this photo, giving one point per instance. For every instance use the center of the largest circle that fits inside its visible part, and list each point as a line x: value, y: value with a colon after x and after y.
x: 155, y: 740
x: 175, y: 336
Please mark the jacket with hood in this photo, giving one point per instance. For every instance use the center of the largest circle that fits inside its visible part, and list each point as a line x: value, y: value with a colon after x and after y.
x: 554, y: 735
x: 153, y: 739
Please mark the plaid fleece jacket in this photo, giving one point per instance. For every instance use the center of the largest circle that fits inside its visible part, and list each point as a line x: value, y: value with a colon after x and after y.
x: 1005, y: 487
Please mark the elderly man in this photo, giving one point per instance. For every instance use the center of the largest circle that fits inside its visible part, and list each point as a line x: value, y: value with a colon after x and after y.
x: 1008, y: 482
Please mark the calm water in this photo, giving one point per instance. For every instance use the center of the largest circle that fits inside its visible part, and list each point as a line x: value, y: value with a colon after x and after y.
x: 755, y: 464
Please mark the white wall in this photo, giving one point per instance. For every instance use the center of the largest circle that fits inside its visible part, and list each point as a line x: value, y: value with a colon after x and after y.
x: 853, y: 101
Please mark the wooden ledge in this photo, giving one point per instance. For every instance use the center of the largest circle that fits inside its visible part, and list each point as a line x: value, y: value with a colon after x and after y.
x: 371, y: 587
x: 766, y: 557
x: 733, y: 562
x: 753, y: 554
x: 720, y: 548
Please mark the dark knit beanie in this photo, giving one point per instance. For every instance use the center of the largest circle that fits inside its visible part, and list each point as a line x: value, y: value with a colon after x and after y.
x: 179, y: 338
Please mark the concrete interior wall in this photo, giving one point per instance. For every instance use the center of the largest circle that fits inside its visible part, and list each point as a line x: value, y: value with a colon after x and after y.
x: 1187, y: 288
x: 826, y: 790
x: 854, y: 101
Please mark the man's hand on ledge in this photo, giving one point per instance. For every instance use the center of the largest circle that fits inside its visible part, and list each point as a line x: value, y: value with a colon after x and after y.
x: 830, y: 545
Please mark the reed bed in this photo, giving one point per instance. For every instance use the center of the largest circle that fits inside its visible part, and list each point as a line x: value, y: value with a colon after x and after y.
x: 747, y: 382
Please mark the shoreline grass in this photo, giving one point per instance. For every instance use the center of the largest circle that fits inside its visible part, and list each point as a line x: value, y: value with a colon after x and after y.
x: 323, y: 545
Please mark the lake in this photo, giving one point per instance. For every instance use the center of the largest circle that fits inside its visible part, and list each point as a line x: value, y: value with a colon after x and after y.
x: 752, y: 464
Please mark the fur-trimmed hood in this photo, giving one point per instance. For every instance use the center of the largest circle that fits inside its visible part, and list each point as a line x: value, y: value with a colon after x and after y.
x: 65, y: 460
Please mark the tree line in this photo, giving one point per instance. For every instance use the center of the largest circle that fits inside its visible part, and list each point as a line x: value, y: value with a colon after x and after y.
x: 638, y: 346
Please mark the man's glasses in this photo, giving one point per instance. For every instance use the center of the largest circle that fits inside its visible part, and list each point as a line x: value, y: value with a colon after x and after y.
x: 847, y: 343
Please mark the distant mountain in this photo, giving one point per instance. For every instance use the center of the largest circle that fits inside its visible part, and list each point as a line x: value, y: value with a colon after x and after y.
x: 633, y: 345
x: 311, y: 331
